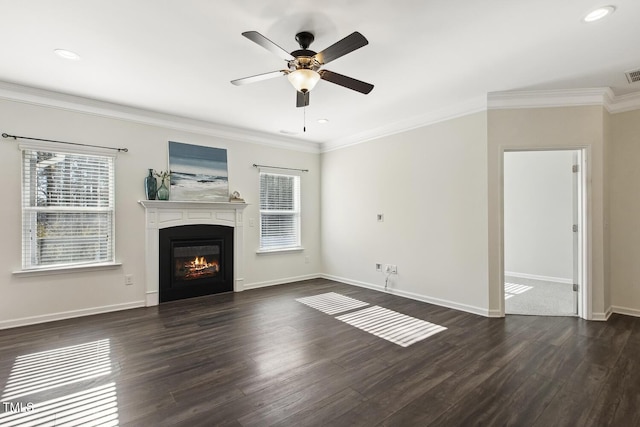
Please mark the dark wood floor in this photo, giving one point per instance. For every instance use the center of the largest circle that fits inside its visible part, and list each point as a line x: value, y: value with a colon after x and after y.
x: 260, y: 358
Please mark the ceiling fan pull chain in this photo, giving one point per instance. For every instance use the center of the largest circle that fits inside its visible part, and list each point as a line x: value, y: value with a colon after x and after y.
x: 304, y: 120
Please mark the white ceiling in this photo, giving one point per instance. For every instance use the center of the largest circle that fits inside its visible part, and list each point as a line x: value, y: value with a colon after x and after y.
x: 178, y: 56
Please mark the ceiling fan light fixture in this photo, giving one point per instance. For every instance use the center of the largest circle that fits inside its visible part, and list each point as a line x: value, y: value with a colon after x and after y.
x: 303, y: 79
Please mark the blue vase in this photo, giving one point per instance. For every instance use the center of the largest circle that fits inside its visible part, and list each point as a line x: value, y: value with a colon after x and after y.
x: 163, y: 192
x: 150, y: 186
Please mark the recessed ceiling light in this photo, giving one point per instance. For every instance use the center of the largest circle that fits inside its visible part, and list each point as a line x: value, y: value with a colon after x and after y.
x: 67, y: 54
x: 323, y: 121
x: 599, y: 13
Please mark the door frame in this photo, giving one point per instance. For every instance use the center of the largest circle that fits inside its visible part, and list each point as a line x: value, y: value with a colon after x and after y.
x: 584, y: 234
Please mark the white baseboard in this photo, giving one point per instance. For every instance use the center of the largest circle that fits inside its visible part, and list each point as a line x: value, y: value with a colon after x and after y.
x: 24, y: 321
x: 153, y: 298
x: 257, y: 285
x: 495, y: 313
x: 602, y: 317
x: 538, y: 277
x: 418, y: 297
x: 626, y: 311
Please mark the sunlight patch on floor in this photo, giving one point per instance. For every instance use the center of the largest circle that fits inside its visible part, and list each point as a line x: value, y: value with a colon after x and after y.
x: 50, y: 371
x: 36, y: 372
x: 386, y: 324
x: 392, y: 326
x: 513, y: 289
x: 332, y: 303
x: 94, y: 407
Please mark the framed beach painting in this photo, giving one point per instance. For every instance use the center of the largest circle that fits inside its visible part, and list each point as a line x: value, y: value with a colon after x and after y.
x: 198, y: 173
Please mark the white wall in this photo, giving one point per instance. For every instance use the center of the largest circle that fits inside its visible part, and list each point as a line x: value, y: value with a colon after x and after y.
x: 430, y: 184
x: 624, y: 191
x: 538, y: 214
x: 40, y: 298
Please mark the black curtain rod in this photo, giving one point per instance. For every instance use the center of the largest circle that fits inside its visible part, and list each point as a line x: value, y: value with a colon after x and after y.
x: 278, y: 167
x: 4, y: 135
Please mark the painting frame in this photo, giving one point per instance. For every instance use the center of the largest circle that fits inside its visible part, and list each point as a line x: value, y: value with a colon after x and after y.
x: 199, y: 173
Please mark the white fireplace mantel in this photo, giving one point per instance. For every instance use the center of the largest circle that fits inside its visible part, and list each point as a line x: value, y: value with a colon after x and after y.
x: 163, y: 214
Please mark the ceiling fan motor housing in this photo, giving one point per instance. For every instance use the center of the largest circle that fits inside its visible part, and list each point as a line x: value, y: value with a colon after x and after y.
x: 305, y: 61
x: 305, y: 39
x: 304, y: 58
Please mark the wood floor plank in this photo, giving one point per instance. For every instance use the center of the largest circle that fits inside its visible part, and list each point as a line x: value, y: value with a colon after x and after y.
x: 417, y: 414
x: 325, y: 411
x: 261, y: 358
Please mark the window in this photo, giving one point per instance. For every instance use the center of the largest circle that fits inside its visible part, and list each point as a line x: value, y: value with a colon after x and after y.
x: 67, y: 209
x: 279, y: 211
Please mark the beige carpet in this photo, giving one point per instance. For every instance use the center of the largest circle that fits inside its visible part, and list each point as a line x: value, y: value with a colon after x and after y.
x: 537, y: 297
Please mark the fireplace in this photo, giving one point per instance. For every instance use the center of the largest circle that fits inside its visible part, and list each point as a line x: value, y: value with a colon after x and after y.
x: 167, y: 214
x: 195, y: 260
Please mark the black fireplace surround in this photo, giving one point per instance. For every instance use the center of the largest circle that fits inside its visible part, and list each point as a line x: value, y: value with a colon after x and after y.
x: 195, y: 260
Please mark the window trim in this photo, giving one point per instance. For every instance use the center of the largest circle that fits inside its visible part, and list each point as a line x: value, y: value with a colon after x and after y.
x: 275, y: 251
x: 298, y: 213
x: 46, y: 271
x: 66, y: 267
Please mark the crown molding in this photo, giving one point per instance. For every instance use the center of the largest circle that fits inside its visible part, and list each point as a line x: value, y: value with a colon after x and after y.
x: 623, y: 103
x: 602, y: 96
x: 41, y: 97
x: 465, y: 108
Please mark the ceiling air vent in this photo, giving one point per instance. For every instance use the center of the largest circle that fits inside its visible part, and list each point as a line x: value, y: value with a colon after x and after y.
x: 633, y: 76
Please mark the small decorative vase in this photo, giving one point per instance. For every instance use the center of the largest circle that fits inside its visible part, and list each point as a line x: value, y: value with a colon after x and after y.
x: 163, y: 192
x: 150, y: 186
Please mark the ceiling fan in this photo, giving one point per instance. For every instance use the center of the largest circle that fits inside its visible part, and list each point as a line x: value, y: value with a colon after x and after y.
x: 304, y: 65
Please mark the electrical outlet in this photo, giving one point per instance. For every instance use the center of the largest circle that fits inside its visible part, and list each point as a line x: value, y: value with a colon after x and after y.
x: 128, y: 279
x: 378, y: 267
x: 391, y: 269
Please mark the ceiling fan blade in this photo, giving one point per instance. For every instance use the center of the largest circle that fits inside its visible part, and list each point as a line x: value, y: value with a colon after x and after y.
x: 258, y: 77
x: 302, y: 99
x: 348, y: 82
x: 340, y: 48
x: 258, y: 38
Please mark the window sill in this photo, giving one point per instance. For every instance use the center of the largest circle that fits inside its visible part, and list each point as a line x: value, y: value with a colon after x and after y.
x: 280, y: 250
x: 46, y: 271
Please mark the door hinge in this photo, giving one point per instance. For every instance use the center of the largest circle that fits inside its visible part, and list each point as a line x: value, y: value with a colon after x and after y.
x: 575, y: 168
x: 576, y: 287
x: 575, y: 228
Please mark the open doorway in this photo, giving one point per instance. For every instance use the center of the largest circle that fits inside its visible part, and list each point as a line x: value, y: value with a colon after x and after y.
x: 542, y: 239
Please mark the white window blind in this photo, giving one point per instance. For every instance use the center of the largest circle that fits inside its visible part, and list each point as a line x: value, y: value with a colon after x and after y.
x: 67, y: 208
x: 279, y: 211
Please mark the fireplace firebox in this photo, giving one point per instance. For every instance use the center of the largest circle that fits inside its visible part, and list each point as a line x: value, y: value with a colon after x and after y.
x: 195, y: 260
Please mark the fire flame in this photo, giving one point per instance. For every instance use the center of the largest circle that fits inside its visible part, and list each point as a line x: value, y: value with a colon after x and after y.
x: 200, y: 263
